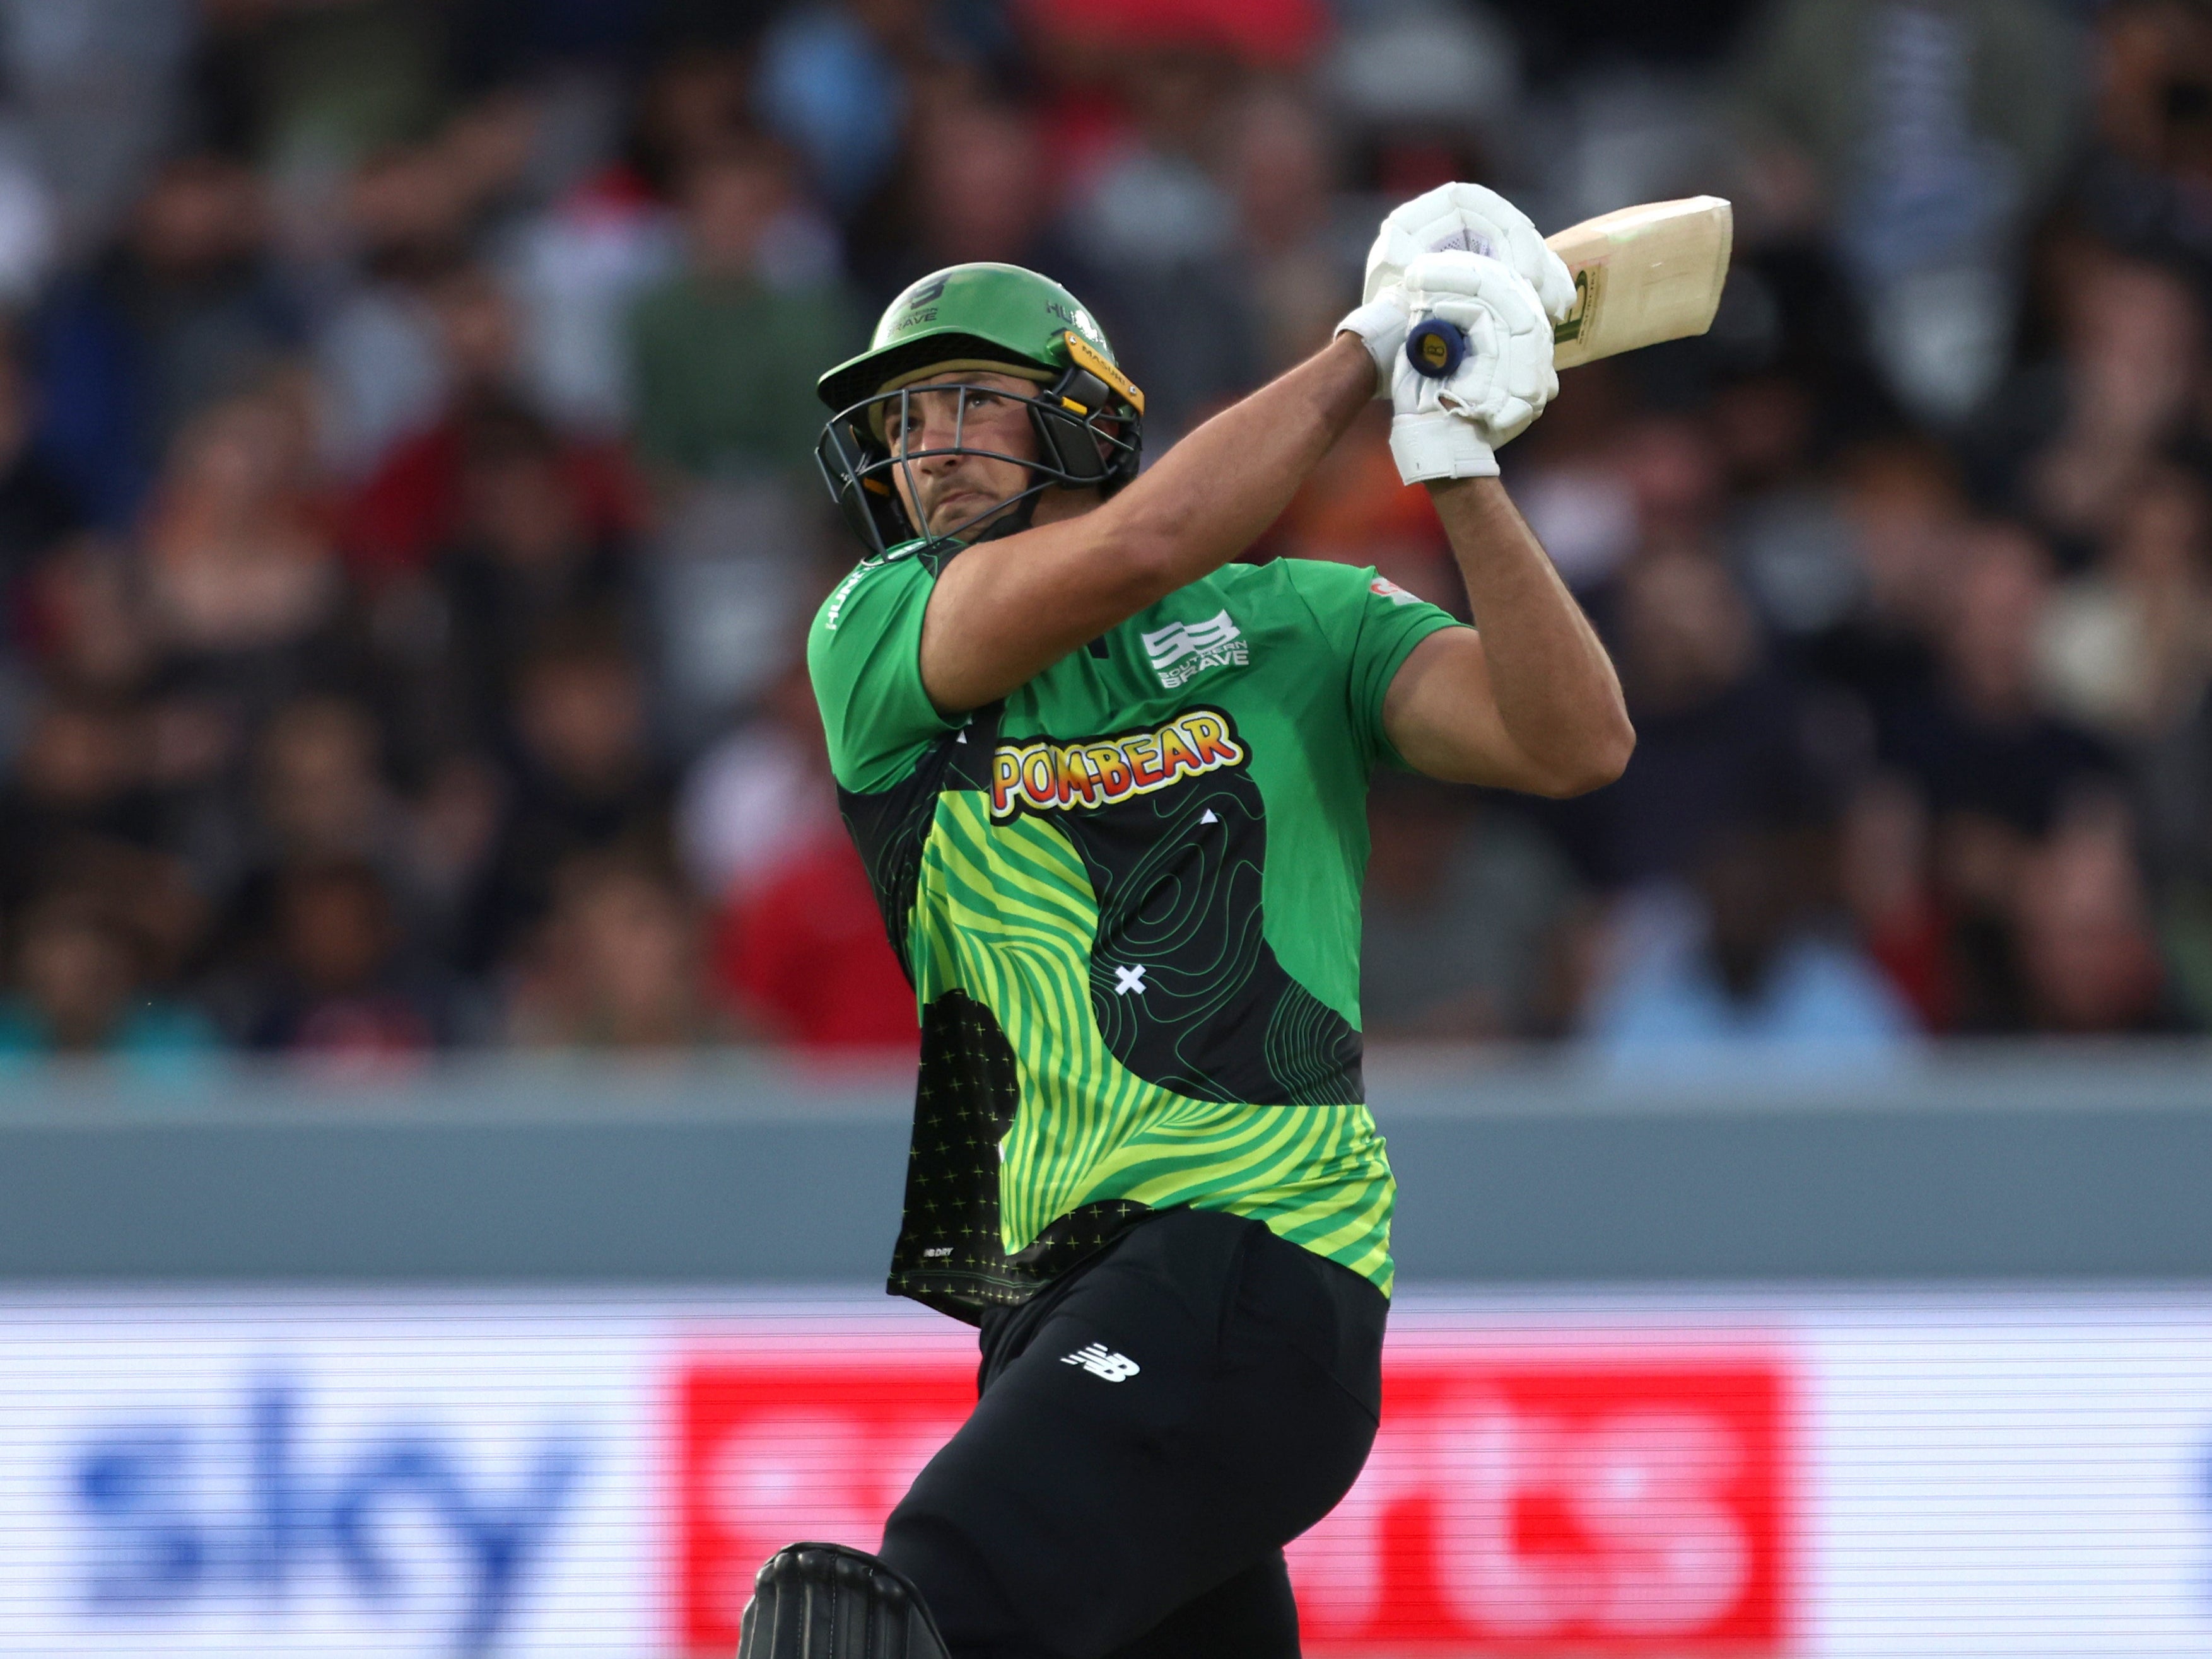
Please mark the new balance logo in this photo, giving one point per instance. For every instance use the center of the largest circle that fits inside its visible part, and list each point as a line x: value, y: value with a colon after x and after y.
x: 1181, y: 649
x: 1100, y: 1362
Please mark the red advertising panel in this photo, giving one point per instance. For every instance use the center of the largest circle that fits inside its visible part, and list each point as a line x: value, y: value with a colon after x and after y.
x: 782, y: 1447
x: 1632, y: 1499
x: 1619, y: 1503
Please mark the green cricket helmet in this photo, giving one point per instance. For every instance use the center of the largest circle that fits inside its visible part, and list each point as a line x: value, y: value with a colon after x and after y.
x: 1001, y: 320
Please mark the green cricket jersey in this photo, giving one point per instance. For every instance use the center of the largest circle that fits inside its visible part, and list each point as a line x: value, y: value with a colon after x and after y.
x: 1128, y: 899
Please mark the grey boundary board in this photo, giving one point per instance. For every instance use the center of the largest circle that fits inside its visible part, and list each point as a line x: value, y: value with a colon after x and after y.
x: 1990, y: 1163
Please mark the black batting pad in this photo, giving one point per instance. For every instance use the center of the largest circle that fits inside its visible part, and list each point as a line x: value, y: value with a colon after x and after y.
x: 829, y: 1601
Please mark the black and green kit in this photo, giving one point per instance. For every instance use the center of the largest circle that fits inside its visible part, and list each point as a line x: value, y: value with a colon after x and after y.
x: 1128, y: 899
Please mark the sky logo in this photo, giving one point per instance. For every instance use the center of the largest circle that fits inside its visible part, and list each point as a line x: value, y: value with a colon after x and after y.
x: 161, y: 1539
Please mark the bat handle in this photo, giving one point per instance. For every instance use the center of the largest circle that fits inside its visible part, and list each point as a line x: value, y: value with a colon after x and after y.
x: 1435, y: 349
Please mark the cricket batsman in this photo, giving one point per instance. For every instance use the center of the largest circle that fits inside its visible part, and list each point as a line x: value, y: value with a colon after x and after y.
x: 1110, y: 789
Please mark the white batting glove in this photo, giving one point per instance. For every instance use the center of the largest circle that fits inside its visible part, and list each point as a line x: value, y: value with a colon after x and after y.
x: 1380, y: 325
x: 1467, y: 218
x: 1450, y: 427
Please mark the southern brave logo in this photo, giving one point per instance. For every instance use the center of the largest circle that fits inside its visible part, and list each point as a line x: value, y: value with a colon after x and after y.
x: 1099, y: 1361
x: 1183, y: 649
x: 1042, y: 776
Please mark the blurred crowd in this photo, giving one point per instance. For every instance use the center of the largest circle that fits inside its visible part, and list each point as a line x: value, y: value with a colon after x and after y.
x: 408, y: 523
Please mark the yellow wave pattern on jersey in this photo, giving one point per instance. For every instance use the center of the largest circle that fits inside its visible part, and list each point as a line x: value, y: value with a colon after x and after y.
x: 1004, y: 912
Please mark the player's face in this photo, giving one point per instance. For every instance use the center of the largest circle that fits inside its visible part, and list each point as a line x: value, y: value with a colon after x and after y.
x: 942, y: 492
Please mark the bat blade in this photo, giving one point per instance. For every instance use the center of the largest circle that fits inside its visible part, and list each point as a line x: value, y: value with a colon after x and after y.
x: 1643, y: 275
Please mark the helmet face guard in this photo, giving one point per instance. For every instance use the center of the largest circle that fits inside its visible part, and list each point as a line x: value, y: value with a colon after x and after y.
x: 1088, y: 432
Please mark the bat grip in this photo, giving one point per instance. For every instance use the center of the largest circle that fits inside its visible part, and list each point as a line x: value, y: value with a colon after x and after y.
x: 1435, y: 349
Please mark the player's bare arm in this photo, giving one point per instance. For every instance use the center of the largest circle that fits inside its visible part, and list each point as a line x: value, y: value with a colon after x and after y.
x: 1528, y: 699
x: 1007, y: 609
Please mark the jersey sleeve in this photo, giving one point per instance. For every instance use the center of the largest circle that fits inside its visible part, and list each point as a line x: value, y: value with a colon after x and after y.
x: 1373, y: 624
x: 864, y: 655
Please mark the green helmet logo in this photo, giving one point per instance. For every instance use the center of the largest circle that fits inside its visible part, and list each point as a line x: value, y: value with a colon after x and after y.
x: 1087, y: 414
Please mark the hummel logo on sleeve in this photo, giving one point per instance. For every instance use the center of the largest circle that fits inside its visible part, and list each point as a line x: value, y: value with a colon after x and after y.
x: 1214, y: 643
x: 1099, y: 1362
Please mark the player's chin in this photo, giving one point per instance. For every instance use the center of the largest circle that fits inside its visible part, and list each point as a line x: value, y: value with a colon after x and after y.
x: 966, y: 512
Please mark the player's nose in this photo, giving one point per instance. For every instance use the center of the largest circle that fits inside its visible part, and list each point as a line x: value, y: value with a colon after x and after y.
x: 935, y: 454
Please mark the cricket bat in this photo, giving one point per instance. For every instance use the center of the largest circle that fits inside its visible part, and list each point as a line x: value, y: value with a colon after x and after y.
x: 1642, y: 275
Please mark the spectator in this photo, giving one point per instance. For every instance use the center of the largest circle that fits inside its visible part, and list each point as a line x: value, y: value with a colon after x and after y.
x: 1923, y: 139
x: 1740, y: 958
x: 92, y: 89
x: 79, y: 988
x: 39, y: 510
x: 803, y: 957
x: 339, y: 987
x: 725, y: 354
x: 1720, y: 733
x: 240, y: 565
x: 527, y: 551
x: 186, y: 309
x: 2078, y: 431
x: 412, y: 503
x: 834, y: 84
x: 153, y: 893
x: 616, y: 965
x: 2088, y: 957
x: 2127, y: 646
x: 302, y: 84
x: 977, y: 185
x: 84, y: 618
x: 1903, y: 510
x: 586, y: 782
x: 2176, y: 805
x: 323, y: 799
x: 1434, y: 93
x: 799, y: 947
x: 1982, y: 743
x: 760, y: 798
x: 387, y: 348
x: 1153, y: 221
x: 1152, y: 201
x: 580, y: 267
x: 1279, y: 165
x: 1467, y: 910
x: 1887, y: 882
x: 2142, y: 186
x: 320, y: 794
x: 80, y: 776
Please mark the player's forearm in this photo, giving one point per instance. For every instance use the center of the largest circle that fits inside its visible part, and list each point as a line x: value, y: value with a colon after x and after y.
x: 1210, y: 496
x: 1005, y: 611
x: 1554, y: 686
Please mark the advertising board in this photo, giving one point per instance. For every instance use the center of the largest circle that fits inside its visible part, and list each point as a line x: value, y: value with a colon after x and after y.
x: 1694, y: 1475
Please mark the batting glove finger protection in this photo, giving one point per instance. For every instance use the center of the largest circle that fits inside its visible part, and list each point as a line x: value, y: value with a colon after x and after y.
x: 1450, y: 427
x: 1380, y: 325
x: 1469, y: 218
